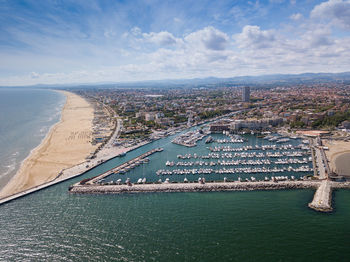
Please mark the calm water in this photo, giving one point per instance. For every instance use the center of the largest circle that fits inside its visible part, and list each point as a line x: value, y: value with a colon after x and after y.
x: 170, y: 152
x: 26, y: 116
x: 54, y: 225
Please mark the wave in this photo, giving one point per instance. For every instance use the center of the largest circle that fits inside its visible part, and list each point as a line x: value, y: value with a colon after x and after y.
x: 10, y: 166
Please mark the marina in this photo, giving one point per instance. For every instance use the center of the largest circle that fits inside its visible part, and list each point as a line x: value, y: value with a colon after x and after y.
x: 254, y: 164
x: 191, y: 137
x: 254, y: 156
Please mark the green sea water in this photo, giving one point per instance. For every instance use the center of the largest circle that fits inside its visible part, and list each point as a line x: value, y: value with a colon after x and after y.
x: 53, y: 225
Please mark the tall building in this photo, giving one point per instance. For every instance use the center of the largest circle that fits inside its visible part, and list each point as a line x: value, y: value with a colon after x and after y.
x: 246, y: 94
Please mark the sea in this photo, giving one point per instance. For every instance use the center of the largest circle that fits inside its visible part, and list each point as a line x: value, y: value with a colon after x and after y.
x: 54, y: 225
x: 26, y: 116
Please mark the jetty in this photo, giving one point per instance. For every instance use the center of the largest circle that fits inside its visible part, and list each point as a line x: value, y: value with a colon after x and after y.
x: 191, y: 187
x: 323, y: 197
x: 123, y: 167
x: 321, y: 202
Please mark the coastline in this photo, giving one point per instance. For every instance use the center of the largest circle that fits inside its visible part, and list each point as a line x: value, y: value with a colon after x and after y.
x: 336, y: 150
x: 342, y: 164
x: 60, y: 149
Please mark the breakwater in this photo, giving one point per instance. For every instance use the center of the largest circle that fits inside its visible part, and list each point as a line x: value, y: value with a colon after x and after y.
x: 321, y: 201
x: 322, y: 198
x: 192, y: 187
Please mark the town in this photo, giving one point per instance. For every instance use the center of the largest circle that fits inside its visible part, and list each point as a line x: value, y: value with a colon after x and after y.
x: 150, y: 113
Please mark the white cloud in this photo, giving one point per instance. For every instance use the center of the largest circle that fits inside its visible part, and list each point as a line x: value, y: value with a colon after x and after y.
x: 253, y: 37
x: 276, y: 1
x: 335, y: 11
x: 209, y: 38
x: 296, y: 16
x: 317, y: 37
x: 136, y: 31
x: 205, y: 52
x: 161, y: 38
x: 34, y: 75
x: 109, y: 34
x: 177, y: 20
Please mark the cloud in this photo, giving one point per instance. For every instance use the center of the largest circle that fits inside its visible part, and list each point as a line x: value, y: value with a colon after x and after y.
x: 253, y: 37
x: 296, y: 16
x: 184, y: 43
x: 276, y: 1
x: 136, y: 31
x: 317, y: 37
x: 34, y: 75
x: 209, y: 37
x: 335, y: 11
x: 161, y: 38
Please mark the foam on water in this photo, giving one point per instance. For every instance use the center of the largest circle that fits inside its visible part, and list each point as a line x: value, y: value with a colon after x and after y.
x: 26, y: 117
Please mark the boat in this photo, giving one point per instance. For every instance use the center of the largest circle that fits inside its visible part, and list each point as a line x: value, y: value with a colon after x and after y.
x: 209, y: 140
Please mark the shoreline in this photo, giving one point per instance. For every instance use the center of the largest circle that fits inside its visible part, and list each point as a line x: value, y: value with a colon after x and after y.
x: 45, y: 158
x: 336, y: 149
x: 342, y: 164
x: 25, y: 153
x: 31, y: 152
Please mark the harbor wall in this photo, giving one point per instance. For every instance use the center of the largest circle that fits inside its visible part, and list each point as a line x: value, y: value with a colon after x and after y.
x: 192, y: 187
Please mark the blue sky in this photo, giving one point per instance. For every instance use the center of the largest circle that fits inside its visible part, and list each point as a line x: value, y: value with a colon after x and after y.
x: 93, y: 41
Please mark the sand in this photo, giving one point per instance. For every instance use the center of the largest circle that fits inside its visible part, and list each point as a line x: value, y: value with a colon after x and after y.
x: 68, y: 143
x: 342, y: 163
x: 338, y: 154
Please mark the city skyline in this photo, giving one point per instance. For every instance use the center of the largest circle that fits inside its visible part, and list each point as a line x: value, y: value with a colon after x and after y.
x: 82, y: 42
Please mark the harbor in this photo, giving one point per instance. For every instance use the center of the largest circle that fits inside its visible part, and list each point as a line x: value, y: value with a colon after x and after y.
x: 247, y: 163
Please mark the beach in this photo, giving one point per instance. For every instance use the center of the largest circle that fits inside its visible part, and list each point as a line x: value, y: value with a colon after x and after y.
x: 67, y: 143
x: 338, y: 155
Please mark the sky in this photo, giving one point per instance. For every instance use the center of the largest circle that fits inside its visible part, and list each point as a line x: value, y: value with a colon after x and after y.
x: 91, y: 41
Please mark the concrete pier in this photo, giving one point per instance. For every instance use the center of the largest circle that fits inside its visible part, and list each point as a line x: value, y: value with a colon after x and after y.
x: 126, y: 166
x: 323, y: 197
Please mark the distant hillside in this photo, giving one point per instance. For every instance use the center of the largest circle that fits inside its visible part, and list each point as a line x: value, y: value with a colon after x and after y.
x: 277, y: 79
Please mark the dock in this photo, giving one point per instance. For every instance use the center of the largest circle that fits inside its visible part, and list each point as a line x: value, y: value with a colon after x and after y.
x: 123, y: 167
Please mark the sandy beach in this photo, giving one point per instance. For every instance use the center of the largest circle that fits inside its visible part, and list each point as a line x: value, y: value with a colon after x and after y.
x: 338, y: 154
x: 68, y: 143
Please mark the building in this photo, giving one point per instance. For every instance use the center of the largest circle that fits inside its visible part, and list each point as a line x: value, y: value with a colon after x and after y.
x: 255, y: 124
x: 220, y: 126
x: 149, y: 116
x: 246, y: 94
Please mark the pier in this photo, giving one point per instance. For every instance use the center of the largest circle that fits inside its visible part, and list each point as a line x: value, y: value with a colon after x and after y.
x: 323, y: 197
x: 123, y: 167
